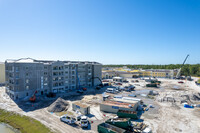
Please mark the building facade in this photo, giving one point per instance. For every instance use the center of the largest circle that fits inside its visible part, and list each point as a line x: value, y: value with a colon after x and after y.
x: 25, y: 76
x: 2, y: 73
x: 158, y: 73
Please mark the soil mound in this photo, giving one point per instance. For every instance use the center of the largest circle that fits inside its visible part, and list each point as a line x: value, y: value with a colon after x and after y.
x: 58, y: 106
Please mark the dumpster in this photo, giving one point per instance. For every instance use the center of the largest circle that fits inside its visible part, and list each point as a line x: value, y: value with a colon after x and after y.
x: 124, y: 123
x: 127, y: 114
x: 108, y: 128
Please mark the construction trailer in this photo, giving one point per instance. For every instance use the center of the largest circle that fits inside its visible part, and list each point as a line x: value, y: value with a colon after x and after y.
x: 115, y: 106
x: 83, y: 108
x: 118, y: 79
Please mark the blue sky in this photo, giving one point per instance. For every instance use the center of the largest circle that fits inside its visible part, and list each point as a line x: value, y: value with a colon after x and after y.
x: 107, y: 31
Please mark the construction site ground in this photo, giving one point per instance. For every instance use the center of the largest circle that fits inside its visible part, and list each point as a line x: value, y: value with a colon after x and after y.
x: 167, y: 116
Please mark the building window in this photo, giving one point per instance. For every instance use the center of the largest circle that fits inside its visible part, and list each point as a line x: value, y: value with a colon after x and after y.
x: 66, y: 67
x: 45, y: 84
x: 26, y: 68
x: 17, y: 69
x: 73, y: 72
x: 27, y: 81
x: 27, y: 87
x: 45, y: 73
x: 17, y: 82
x: 45, y: 67
x: 27, y: 74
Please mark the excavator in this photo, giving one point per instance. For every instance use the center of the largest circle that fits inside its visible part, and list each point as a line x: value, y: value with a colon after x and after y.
x: 33, y: 97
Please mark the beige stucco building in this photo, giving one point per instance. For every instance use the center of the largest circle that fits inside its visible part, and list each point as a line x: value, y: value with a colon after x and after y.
x: 2, y: 73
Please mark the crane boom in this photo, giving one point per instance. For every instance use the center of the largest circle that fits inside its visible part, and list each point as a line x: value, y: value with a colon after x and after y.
x: 179, y: 71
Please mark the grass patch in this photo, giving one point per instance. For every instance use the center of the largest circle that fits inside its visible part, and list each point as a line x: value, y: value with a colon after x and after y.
x: 23, y: 123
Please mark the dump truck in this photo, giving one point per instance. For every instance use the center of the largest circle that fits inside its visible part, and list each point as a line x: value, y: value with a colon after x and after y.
x: 151, y: 85
x: 108, y: 128
x: 127, y: 114
x: 124, y: 123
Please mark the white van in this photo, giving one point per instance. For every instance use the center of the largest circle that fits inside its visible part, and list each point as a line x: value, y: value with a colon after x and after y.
x: 111, y: 90
x: 84, y: 122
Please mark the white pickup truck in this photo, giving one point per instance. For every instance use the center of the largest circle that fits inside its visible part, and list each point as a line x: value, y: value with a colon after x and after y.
x: 84, y: 122
x: 68, y: 119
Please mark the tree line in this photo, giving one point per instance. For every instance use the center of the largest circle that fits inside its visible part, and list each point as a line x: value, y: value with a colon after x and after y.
x: 187, y: 69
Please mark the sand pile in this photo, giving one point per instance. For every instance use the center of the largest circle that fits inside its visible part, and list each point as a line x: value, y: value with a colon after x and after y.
x: 58, y: 106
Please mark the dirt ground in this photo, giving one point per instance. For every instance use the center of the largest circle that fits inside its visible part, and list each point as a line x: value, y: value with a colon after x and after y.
x: 165, y: 117
x: 170, y: 117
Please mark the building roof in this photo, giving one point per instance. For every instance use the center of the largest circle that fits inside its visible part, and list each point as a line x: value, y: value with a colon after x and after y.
x: 158, y: 70
x: 81, y: 104
x: 30, y: 60
x: 118, y: 104
x: 125, y: 100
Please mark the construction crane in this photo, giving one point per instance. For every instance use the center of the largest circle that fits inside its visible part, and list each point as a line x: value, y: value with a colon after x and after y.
x: 179, y: 71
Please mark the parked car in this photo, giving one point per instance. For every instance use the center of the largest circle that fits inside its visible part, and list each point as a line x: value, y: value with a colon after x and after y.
x: 98, y: 87
x: 125, y: 81
x: 120, y: 88
x: 84, y: 122
x: 127, y: 89
x: 180, y: 82
x: 111, y: 90
x: 68, y: 119
x: 132, y: 95
x: 80, y: 91
x: 118, y: 83
x: 105, y: 84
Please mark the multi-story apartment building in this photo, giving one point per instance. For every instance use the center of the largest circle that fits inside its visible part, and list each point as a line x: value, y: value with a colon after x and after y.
x: 25, y: 76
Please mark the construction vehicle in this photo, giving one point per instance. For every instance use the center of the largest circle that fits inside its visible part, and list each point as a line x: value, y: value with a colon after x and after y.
x: 98, y: 87
x: 33, y: 97
x: 178, y: 75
